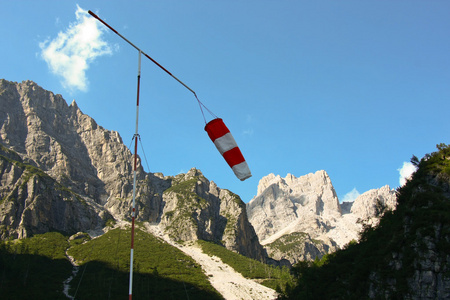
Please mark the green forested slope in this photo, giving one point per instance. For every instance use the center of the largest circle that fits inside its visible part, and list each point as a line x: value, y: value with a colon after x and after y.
x: 35, y: 268
x: 406, y: 256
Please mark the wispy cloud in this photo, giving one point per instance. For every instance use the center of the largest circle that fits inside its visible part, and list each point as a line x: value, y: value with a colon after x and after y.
x: 70, y: 53
x: 351, y: 196
x: 249, y: 131
x: 406, y: 172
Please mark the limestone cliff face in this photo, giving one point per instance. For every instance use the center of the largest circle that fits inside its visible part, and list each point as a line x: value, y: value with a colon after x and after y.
x: 62, y: 141
x: 195, y: 208
x: 305, y: 213
x: 369, y: 206
x: 32, y: 202
x: 280, y: 202
x: 61, y: 171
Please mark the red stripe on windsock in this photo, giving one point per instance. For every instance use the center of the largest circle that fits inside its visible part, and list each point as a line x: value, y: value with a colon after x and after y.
x: 216, y: 128
x: 233, y: 157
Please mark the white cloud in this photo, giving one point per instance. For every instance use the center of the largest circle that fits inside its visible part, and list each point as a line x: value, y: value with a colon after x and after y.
x: 351, y: 196
x: 406, y: 172
x: 248, y: 132
x: 70, y: 53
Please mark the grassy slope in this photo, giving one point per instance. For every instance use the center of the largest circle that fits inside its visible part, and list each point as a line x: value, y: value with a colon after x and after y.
x: 35, y: 268
x: 161, y: 271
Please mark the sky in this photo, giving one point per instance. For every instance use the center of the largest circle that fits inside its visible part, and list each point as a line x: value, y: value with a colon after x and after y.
x: 354, y: 88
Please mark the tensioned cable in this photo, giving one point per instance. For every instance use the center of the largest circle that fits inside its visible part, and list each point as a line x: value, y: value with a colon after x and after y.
x: 200, y: 104
x: 131, y: 143
x: 146, y: 162
x: 156, y: 63
x: 145, y: 157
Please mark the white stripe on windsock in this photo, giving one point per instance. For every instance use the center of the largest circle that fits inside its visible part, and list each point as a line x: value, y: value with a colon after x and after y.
x: 225, y: 142
x: 242, y: 171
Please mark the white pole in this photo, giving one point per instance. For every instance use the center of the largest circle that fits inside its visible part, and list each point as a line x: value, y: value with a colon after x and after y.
x: 133, y: 211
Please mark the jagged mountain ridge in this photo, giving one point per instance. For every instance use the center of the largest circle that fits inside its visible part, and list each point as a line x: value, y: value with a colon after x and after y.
x: 49, y: 146
x: 301, y: 218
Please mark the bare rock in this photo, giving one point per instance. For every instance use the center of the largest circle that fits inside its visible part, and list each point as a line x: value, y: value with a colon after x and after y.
x: 289, y: 208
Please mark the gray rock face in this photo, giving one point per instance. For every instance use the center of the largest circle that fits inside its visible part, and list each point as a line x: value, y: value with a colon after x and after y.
x: 297, y: 246
x: 62, y: 141
x: 194, y: 208
x: 418, y: 266
x: 61, y: 171
x: 369, y: 206
x: 307, y: 206
x: 282, y: 201
x: 32, y: 202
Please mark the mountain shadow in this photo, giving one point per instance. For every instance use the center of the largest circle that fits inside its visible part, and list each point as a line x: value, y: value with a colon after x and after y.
x: 28, y: 276
x: 38, y: 268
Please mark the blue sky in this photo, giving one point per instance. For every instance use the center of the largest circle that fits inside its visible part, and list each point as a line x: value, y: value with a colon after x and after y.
x: 351, y: 87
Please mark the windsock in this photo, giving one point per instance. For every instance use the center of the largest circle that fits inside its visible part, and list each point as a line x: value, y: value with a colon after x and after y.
x: 225, y: 143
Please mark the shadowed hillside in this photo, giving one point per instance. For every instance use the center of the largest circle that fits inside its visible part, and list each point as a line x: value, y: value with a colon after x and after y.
x: 406, y: 256
x: 35, y: 268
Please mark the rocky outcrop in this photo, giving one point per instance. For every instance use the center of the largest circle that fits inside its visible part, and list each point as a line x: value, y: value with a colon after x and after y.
x: 195, y: 208
x: 32, y: 202
x: 65, y: 143
x: 371, y: 205
x: 297, y: 246
x: 286, y: 209
x: 62, y: 171
x: 417, y: 260
x: 282, y: 202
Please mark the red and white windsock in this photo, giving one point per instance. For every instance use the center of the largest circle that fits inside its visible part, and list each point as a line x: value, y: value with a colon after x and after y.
x: 227, y: 146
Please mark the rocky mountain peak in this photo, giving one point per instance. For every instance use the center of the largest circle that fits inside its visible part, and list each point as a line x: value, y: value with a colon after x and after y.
x: 313, y: 190
x: 369, y: 206
x: 306, y: 210
x: 290, y: 181
x: 193, y: 172
x: 74, y: 105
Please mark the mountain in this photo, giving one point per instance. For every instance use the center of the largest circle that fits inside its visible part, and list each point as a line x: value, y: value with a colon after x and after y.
x: 301, y: 218
x: 61, y: 171
x: 405, y: 256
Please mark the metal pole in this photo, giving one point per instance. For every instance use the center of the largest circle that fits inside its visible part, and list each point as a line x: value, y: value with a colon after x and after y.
x: 133, y: 211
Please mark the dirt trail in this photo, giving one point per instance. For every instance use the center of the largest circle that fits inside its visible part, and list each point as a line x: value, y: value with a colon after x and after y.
x: 231, y: 284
